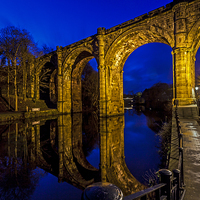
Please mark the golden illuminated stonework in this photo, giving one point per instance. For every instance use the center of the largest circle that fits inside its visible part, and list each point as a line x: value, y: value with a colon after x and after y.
x: 175, y: 24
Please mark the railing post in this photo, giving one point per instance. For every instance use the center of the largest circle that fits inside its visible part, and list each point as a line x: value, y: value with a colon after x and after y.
x: 181, y: 167
x: 176, y: 173
x: 165, y: 177
x: 176, y: 102
x: 181, y: 140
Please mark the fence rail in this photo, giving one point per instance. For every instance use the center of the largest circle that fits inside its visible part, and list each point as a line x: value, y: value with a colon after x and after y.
x: 169, y: 188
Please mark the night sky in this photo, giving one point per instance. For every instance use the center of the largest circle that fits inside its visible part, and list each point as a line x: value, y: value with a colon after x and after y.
x: 62, y: 22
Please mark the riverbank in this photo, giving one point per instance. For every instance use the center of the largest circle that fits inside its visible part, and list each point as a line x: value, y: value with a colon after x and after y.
x: 27, y: 109
x: 21, y: 115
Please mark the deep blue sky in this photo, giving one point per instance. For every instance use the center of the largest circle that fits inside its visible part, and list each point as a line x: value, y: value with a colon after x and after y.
x: 62, y: 22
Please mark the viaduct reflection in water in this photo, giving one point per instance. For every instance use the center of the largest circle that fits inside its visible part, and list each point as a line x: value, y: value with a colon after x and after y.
x: 59, y: 147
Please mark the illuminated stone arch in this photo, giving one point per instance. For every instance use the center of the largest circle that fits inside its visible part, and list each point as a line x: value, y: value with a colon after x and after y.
x: 176, y: 24
x: 40, y: 63
x: 193, y: 39
x: 69, y: 95
x: 117, y: 55
x: 72, y: 161
x: 113, y: 165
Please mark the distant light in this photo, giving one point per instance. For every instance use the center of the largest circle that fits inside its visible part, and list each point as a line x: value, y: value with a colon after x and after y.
x: 196, y: 88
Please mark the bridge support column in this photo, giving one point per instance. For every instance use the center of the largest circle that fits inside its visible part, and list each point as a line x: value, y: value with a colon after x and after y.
x: 31, y: 77
x: 76, y: 95
x: 103, y: 104
x: 60, y: 82
x: 111, y: 101
x: 67, y: 96
x: 64, y: 86
x: 183, y: 62
x: 37, y: 87
x: 64, y: 94
x: 60, y: 101
x: 183, y: 76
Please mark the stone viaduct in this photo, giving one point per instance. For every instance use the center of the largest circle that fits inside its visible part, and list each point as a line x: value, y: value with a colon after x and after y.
x: 177, y: 24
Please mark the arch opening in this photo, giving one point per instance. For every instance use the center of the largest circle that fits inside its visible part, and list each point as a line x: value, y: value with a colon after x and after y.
x: 90, y: 138
x: 148, y: 65
x: 147, y: 79
x: 117, y: 55
x: 84, y: 83
x: 47, y: 84
x: 90, y: 91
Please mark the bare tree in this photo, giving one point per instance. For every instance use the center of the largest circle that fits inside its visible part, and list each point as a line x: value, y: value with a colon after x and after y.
x: 16, y: 45
x: 90, y: 93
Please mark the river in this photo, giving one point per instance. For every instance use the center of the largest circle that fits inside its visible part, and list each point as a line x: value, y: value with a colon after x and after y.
x: 57, y: 158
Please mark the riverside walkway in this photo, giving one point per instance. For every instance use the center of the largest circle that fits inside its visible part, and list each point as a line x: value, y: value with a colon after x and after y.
x: 190, y: 128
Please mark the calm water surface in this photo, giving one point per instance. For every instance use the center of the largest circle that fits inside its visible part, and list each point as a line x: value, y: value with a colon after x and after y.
x: 56, y: 159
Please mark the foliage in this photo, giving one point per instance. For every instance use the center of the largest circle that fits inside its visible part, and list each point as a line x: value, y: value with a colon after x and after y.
x: 151, y: 177
x: 90, y: 94
x: 17, y: 51
x: 90, y: 132
x: 16, y: 44
x: 44, y: 79
x: 18, y: 180
x: 46, y: 49
x: 165, y: 140
x: 158, y: 97
x: 158, y: 92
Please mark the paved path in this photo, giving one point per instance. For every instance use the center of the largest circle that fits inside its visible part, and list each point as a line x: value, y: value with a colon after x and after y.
x: 191, y: 145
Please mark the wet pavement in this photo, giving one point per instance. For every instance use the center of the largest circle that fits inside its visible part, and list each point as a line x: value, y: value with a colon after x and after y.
x: 191, y: 145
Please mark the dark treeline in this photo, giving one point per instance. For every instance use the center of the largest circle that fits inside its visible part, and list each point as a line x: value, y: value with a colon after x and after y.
x: 90, y: 92
x: 17, y: 51
x: 157, y: 97
x: 18, y: 72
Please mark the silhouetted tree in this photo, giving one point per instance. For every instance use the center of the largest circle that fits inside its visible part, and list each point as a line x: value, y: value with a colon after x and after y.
x: 46, y: 49
x: 159, y: 96
x: 90, y: 87
x: 17, y: 180
x: 16, y: 45
x: 17, y: 51
x: 90, y: 132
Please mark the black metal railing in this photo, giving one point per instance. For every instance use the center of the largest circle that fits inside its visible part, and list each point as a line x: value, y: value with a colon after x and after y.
x: 170, y: 187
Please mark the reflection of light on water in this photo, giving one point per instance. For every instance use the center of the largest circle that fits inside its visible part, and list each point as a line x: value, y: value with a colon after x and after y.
x: 140, y: 146
x: 94, y: 157
x: 49, y: 188
x: 40, y: 172
x: 128, y: 108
